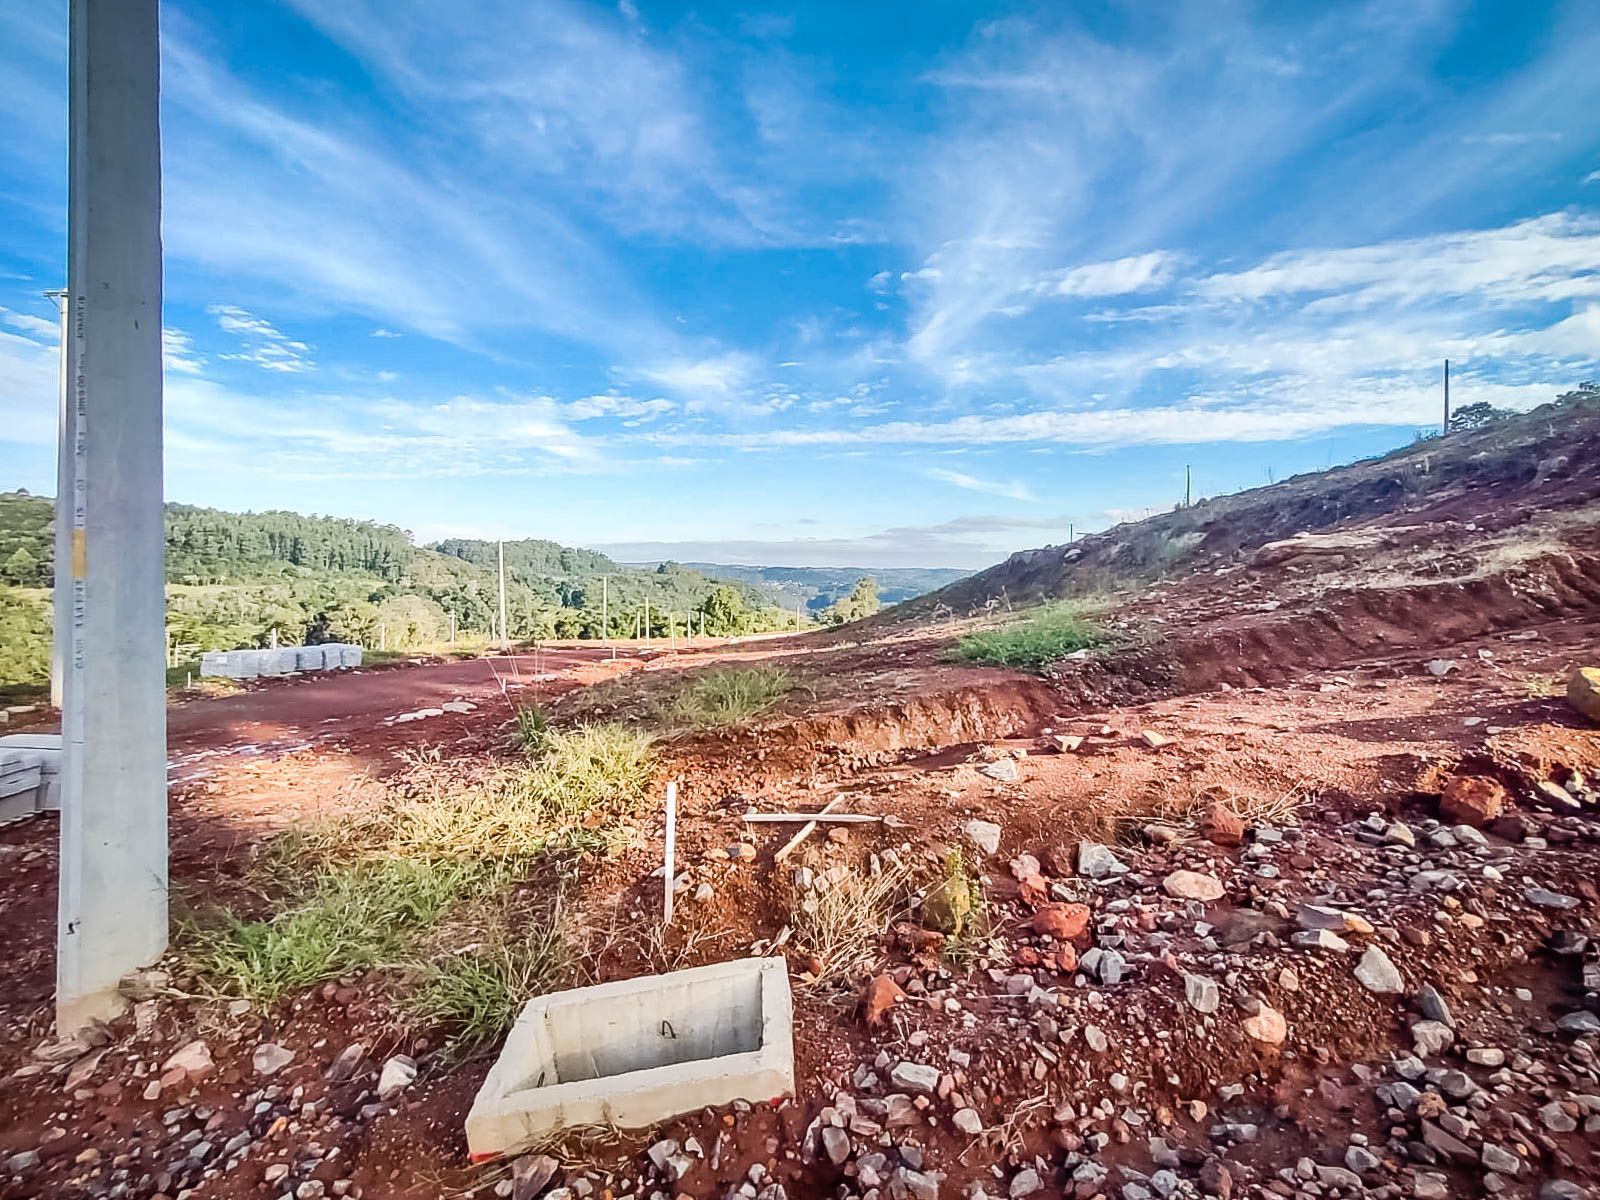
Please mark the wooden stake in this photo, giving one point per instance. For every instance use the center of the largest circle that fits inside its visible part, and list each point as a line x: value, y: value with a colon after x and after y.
x: 672, y: 851
x: 805, y: 831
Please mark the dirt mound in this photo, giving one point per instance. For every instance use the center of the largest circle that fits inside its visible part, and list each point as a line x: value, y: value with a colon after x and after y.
x: 1495, y: 476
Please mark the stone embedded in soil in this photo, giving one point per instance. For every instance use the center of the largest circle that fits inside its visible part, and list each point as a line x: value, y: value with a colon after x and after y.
x: 1440, y: 667
x: 270, y: 1058
x: 1096, y: 861
x: 343, y: 1068
x: 1472, y: 800
x: 1431, y: 1038
x: 1377, y: 974
x: 1267, y: 1026
x: 967, y: 1121
x: 1583, y: 691
x: 397, y: 1075
x: 1557, y: 797
x: 1064, y: 922
x: 1192, y: 885
x: 194, y: 1060
x: 1201, y: 993
x: 1155, y: 740
x: 1024, y: 1183
x: 1222, y: 826
x: 1005, y: 770
x: 531, y: 1174
x: 1543, y: 898
x: 835, y: 1144
x: 1336, y: 920
x: 985, y: 835
x: 1432, y: 1005
x: 915, y: 1077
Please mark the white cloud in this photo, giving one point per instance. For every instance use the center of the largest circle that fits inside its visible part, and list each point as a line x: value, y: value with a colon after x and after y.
x: 720, y: 380
x: 1136, y: 273
x: 1011, y: 489
x: 625, y: 408
x: 968, y: 543
x: 263, y: 344
x: 34, y: 327
x: 384, y: 333
x: 177, y: 353
x: 1552, y: 257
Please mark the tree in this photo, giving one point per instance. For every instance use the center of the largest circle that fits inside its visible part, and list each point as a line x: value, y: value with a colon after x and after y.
x: 861, y: 602
x: 1476, y: 416
x: 725, y: 613
x: 21, y: 569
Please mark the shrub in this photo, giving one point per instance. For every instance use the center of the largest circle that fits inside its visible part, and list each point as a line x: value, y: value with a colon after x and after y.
x: 1040, y: 637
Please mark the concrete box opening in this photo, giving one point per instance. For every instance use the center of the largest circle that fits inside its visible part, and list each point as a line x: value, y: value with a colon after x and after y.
x: 634, y: 1053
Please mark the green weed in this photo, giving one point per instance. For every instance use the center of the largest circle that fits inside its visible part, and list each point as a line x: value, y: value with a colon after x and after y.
x: 476, y: 995
x: 1040, y: 637
x: 712, y: 699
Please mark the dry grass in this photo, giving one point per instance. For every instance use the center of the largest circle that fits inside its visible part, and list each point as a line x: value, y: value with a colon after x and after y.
x: 844, y: 922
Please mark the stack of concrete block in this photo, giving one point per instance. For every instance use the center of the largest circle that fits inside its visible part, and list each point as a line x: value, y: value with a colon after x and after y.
x: 282, y: 660
x: 30, y: 774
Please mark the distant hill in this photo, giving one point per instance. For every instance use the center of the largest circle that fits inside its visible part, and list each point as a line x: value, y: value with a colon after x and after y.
x: 242, y: 579
x: 1549, y: 457
x: 819, y: 587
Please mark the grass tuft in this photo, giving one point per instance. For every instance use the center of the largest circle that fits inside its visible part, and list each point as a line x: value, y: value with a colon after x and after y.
x: 713, y: 699
x: 1040, y: 637
x: 477, y: 994
x: 383, y: 888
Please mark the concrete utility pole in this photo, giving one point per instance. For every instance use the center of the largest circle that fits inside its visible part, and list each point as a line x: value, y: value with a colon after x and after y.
x: 61, y: 607
x: 113, y: 888
x: 605, y: 608
x: 505, y: 639
x: 647, y: 620
x: 1188, y: 488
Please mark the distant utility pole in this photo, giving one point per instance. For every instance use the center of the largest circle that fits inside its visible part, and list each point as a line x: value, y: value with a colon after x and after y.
x: 647, y: 620
x: 1446, y: 428
x: 605, y: 607
x: 1070, y: 533
x: 505, y: 642
x: 1188, y: 487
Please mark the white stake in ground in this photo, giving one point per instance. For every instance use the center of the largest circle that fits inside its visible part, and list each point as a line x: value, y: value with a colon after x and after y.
x: 671, y: 852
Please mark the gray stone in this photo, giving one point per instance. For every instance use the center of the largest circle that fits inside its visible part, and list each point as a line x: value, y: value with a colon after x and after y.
x: 918, y: 1186
x: 1431, y: 1038
x: 1201, y: 993
x: 1556, y: 1119
x: 1096, y: 861
x: 1319, y: 939
x: 1377, y: 974
x: 985, y: 835
x: 1581, y: 1022
x: 270, y: 1058
x: 1361, y: 1160
x: 835, y: 1144
x: 26, y: 1160
x: 1003, y: 769
x: 397, y: 1075
x: 968, y: 1121
x: 1432, y: 1005
x: 1500, y: 1160
x: 1025, y: 1183
x: 915, y: 1077
x: 1542, y: 898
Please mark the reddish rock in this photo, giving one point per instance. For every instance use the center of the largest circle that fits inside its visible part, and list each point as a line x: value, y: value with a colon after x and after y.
x: 1066, y: 958
x: 1222, y: 826
x: 1472, y: 800
x: 1034, y: 890
x: 1064, y: 922
x: 1267, y: 1026
x: 881, y: 995
x: 1027, y: 956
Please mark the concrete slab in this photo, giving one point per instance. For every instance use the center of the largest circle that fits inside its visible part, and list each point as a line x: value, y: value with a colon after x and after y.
x: 634, y: 1053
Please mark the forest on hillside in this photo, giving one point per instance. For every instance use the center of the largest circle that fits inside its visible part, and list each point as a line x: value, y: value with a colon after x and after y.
x: 245, y: 579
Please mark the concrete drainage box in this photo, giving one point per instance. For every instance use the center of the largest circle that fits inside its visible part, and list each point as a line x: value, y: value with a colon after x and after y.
x: 634, y: 1053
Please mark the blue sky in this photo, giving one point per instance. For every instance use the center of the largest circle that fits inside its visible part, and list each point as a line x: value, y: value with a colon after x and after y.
x: 838, y: 284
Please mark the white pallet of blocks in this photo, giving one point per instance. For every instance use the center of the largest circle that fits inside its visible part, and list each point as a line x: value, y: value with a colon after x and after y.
x: 281, y: 660
x: 30, y: 774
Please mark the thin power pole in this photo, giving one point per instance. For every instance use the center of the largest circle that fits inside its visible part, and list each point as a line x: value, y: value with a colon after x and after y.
x: 505, y: 642
x: 647, y: 620
x: 1071, y: 533
x: 1188, y: 487
x: 1446, y: 428
x: 605, y: 608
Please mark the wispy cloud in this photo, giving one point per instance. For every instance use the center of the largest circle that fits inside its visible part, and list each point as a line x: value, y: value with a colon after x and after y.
x: 262, y: 342
x: 1011, y: 489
